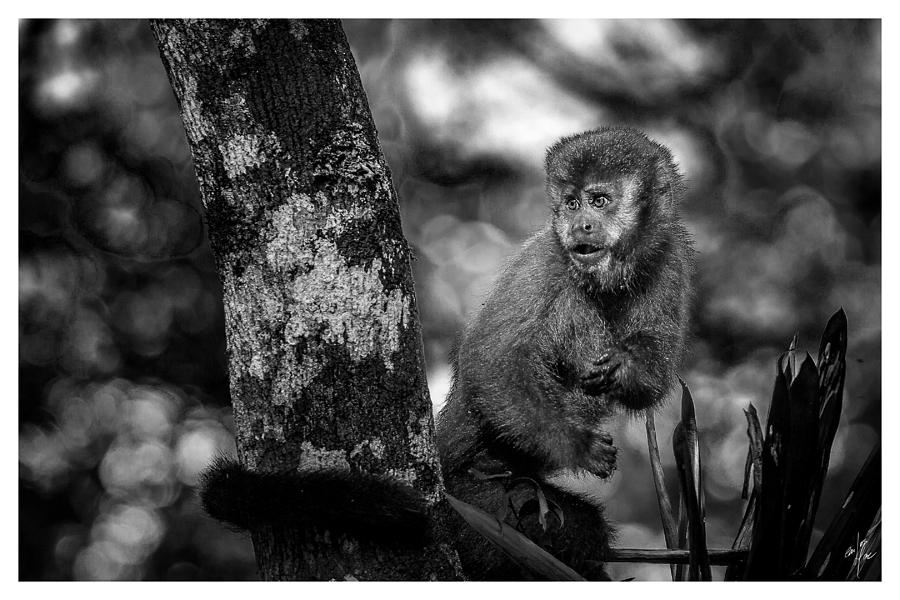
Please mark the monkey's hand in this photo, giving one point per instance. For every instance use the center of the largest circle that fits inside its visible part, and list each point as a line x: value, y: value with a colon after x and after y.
x: 604, y: 374
x: 601, y: 455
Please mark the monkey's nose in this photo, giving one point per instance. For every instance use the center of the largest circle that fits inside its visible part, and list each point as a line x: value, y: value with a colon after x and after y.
x: 585, y: 227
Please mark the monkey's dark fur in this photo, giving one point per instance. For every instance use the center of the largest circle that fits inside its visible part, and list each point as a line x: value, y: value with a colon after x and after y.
x: 587, y: 321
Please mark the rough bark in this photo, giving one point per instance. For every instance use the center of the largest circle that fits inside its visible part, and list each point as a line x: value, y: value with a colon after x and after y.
x: 324, y: 345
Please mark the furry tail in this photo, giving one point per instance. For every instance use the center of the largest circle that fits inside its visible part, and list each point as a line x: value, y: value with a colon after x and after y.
x: 364, y: 506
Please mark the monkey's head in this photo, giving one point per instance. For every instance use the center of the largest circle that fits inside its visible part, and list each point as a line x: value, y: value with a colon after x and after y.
x: 613, y: 193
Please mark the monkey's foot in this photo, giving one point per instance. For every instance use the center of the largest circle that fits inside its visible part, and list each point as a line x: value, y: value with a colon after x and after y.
x: 601, y: 459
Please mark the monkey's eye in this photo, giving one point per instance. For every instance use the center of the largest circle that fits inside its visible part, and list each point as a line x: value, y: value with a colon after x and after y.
x: 599, y: 200
x: 571, y: 202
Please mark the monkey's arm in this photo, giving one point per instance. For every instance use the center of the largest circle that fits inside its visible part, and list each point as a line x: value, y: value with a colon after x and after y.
x: 360, y: 505
x: 537, y: 412
x: 516, y: 380
x: 635, y: 372
x: 638, y: 369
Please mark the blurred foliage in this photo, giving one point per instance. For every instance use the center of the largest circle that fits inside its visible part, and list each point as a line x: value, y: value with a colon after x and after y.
x: 122, y: 383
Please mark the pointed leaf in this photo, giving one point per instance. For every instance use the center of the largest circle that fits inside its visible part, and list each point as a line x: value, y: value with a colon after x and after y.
x: 670, y: 528
x: 832, y: 370
x: 754, y: 432
x: 832, y: 560
x: 681, y: 570
x: 835, y: 335
x: 801, y: 474
x: 686, y: 445
x: 792, y: 358
x: 766, y: 549
x: 869, y: 551
x: 754, y: 457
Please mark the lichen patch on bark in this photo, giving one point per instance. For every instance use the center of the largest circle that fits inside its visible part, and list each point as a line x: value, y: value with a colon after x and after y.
x: 337, y: 303
x: 408, y: 475
x: 293, y: 226
x: 298, y: 30
x: 327, y: 297
x: 243, y: 151
x: 294, y: 377
x: 321, y: 458
x: 339, y: 220
x: 375, y: 446
x: 241, y: 40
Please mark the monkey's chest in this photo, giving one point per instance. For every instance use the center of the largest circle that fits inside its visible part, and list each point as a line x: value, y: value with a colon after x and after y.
x: 579, y: 328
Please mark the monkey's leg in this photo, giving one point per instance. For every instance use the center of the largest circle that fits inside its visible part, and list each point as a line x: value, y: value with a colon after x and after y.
x: 576, y: 533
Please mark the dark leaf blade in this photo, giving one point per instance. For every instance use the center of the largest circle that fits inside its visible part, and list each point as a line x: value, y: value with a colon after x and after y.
x: 670, y: 528
x: 764, y: 563
x: 832, y: 559
x: 686, y: 445
x: 754, y: 432
x: 869, y: 552
x: 681, y: 570
x: 754, y: 459
x: 742, y: 540
x: 835, y: 336
x: 801, y: 465
x: 516, y: 546
x: 791, y: 355
x: 832, y: 371
x: 688, y: 507
x: 748, y: 471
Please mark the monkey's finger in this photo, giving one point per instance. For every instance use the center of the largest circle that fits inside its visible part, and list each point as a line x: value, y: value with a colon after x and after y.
x: 605, y: 449
x: 602, y: 377
x: 603, y: 358
x: 601, y: 371
x: 597, y: 387
x: 598, y: 381
x: 604, y: 437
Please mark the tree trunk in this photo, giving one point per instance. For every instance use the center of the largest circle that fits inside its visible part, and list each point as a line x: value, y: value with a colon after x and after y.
x: 324, y: 346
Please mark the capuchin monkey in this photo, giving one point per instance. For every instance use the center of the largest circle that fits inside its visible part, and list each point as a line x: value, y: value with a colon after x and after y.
x: 588, y: 321
x: 586, y: 324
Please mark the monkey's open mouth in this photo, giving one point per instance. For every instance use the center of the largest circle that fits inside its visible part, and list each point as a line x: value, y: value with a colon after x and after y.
x: 588, y: 254
x: 586, y: 249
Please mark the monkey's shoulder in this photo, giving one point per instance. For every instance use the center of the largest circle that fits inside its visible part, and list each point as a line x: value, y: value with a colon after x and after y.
x: 537, y: 270
x: 526, y: 288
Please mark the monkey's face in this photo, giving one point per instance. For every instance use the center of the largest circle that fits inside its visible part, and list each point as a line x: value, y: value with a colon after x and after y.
x: 594, y: 217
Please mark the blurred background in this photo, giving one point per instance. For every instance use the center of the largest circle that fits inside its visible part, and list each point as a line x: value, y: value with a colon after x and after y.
x: 122, y: 381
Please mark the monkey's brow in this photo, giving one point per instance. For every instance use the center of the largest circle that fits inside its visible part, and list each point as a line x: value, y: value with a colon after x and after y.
x: 602, y: 185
